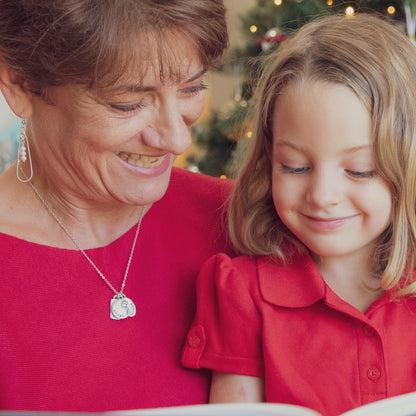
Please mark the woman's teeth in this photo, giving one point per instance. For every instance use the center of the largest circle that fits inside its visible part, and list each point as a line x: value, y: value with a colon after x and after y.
x: 141, y: 160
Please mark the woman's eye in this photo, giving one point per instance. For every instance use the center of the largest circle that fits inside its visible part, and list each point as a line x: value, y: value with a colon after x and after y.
x: 362, y: 174
x: 127, y: 107
x: 194, y: 89
x: 296, y: 171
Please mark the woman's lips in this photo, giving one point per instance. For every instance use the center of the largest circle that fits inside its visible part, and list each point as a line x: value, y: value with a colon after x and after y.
x: 149, y: 166
x: 140, y: 160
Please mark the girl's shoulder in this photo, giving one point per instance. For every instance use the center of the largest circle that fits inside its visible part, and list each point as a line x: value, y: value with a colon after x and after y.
x: 238, y: 273
x: 294, y: 282
x: 293, y: 258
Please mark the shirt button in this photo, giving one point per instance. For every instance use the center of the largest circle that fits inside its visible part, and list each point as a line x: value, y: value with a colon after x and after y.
x: 194, y: 341
x: 368, y: 331
x: 373, y: 373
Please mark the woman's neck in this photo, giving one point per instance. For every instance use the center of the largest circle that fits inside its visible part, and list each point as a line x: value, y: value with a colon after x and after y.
x: 92, y: 223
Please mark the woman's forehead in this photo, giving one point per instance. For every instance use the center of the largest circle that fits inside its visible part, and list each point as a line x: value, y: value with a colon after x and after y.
x: 166, y: 61
x: 155, y: 74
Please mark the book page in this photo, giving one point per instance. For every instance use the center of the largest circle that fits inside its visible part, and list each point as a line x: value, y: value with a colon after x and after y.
x: 403, y: 405
x: 223, y: 409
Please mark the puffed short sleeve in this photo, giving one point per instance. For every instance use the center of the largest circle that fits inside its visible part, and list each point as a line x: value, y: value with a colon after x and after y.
x: 226, y: 331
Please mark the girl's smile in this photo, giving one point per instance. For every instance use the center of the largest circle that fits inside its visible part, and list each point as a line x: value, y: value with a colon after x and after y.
x: 320, y: 224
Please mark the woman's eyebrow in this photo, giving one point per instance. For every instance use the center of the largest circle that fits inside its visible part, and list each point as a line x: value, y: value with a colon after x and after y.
x: 196, y: 76
x: 137, y: 88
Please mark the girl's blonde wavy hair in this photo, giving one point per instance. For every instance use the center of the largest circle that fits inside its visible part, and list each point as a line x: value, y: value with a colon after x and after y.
x: 378, y: 62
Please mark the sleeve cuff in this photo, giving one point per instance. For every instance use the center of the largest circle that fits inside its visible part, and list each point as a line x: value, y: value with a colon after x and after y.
x: 194, y: 347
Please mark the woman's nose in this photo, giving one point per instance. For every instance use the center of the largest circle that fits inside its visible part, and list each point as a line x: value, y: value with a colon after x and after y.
x: 325, y: 189
x: 169, y: 132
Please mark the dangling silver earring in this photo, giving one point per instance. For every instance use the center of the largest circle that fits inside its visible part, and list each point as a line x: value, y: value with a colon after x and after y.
x: 23, y: 154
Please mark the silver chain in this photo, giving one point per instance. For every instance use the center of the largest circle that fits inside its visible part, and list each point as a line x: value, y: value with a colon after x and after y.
x: 119, y: 294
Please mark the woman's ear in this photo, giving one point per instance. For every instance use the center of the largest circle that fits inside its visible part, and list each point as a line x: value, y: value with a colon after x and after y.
x: 18, y: 99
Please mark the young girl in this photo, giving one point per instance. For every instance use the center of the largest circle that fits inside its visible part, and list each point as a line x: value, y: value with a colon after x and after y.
x: 321, y: 312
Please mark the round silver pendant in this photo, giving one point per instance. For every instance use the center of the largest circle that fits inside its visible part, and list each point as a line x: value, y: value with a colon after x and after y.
x: 122, y: 307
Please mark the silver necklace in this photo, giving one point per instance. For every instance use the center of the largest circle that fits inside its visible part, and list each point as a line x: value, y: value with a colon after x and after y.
x: 121, y: 306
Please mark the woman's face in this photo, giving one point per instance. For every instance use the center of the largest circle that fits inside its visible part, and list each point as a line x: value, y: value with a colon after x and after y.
x: 118, y: 145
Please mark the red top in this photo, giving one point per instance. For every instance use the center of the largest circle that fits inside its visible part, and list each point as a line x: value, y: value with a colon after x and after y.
x: 59, y: 349
x: 257, y: 318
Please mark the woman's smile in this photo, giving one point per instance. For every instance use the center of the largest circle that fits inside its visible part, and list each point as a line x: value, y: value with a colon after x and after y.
x: 141, y: 160
x: 146, y: 165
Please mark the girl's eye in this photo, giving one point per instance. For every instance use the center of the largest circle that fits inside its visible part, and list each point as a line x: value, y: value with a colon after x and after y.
x: 195, y: 89
x: 295, y: 171
x: 127, y: 107
x: 361, y: 175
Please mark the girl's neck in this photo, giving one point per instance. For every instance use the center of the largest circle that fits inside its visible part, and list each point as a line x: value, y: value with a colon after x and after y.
x: 351, y: 278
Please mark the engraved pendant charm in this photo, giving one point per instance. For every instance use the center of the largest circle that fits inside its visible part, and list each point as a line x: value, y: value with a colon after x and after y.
x: 121, y: 307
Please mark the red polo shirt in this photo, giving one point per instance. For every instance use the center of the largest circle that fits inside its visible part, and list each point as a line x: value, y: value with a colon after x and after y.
x: 258, y: 318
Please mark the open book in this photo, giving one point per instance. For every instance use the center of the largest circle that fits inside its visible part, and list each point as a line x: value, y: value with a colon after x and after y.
x: 403, y: 405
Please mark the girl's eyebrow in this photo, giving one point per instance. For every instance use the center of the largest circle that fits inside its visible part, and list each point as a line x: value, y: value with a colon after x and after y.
x: 288, y: 143
x: 358, y: 148
x: 292, y: 145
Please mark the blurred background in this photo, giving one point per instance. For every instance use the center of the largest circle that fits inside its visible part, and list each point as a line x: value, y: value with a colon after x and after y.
x: 257, y: 27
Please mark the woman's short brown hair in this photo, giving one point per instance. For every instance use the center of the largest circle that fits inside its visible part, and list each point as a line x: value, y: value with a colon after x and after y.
x: 93, y: 42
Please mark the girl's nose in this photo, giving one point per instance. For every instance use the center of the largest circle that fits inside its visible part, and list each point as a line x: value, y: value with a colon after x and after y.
x: 325, y: 189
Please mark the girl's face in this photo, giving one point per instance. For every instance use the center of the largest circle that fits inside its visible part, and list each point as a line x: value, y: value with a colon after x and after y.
x: 325, y: 188
x: 118, y: 146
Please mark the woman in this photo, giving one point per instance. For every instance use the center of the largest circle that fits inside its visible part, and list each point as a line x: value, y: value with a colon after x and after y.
x: 100, y: 238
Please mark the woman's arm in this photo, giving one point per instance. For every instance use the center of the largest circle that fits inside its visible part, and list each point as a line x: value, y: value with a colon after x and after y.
x: 228, y: 387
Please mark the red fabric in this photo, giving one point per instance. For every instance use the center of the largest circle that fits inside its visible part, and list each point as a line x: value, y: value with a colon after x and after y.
x: 59, y: 349
x: 257, y: 318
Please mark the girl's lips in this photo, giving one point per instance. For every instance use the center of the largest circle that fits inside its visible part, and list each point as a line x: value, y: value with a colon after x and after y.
x: 149, y: 166
x: 327, y: 224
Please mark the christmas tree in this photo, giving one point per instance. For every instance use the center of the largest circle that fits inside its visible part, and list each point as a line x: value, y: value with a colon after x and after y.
x: 264, y: 28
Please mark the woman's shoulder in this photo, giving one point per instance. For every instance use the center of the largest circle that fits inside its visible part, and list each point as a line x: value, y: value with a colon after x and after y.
x: 194, y: 196
x: 183, y: 180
